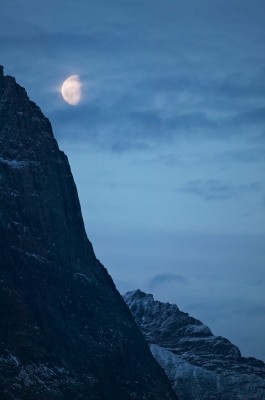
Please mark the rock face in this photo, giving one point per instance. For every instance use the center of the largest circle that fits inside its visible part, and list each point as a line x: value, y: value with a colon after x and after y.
x: 201, y: 366
x: 65, y: 332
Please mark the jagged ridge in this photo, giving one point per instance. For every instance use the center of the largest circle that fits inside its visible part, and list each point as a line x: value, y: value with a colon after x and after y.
x: 200, y: 365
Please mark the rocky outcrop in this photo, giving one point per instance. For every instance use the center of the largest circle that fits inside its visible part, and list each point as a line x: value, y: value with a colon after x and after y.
x: 200, y: 365
x: 65, y: 332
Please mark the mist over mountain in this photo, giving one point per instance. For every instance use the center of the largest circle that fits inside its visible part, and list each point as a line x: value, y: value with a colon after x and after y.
x: 65, y: 331
x: 199, y: 365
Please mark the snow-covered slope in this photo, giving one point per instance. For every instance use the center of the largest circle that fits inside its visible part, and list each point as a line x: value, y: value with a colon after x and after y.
x: 201, y: 366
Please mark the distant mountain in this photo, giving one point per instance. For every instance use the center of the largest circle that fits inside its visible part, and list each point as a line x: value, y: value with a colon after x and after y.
x: 200, y: 366
x: 65, y: 332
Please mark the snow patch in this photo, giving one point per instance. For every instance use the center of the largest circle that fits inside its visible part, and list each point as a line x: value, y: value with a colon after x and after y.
x: 16, y: 164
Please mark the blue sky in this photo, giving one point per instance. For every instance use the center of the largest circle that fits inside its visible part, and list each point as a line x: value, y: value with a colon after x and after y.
x: 167, y: 145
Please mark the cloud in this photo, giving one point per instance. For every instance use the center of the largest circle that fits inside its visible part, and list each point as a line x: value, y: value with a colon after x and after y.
x: 218, y: 190
x: 251, y: 155
x: 255, y: 310
x: 255, y: 116
x: 242, y: 86
x: 126, y: 126
x: 167, y: 278
x: 157, y: 80
x: 123, y: 115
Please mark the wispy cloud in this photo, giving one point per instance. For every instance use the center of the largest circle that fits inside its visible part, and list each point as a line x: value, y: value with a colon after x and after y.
x: 250, y: 155
x: 218, y: 190
x: 158, y: 82
x: 162, y: 279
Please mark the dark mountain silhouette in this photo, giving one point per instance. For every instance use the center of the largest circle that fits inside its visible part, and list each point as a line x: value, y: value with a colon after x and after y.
x: 65, y: 332
x: 200, y: 366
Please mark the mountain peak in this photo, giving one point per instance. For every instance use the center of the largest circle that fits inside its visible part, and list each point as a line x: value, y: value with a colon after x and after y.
x: 25, y: 133
x: 138, y: 294
x: 65, y: 331
x: 200, y: 365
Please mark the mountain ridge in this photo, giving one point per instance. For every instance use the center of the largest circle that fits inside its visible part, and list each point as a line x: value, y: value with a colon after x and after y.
x: 65, y: 332
x: 199, y: 365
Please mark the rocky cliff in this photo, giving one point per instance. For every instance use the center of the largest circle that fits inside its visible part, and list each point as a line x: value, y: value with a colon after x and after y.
x: 65, y: 332
x: 201, y: 366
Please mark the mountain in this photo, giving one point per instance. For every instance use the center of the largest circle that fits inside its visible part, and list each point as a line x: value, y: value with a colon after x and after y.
x: 200, y: 366
x: 65, y: 332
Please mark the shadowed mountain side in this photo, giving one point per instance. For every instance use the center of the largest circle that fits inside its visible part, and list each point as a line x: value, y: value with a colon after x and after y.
x: 65, y: 332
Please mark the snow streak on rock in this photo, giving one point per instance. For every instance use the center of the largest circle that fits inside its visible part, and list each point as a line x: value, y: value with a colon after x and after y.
x: 199, y: 365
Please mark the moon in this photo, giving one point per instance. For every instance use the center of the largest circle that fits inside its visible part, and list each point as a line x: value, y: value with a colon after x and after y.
x: 71, y: 90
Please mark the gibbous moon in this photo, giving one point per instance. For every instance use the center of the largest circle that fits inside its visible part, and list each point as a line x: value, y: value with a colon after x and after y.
x: 71, y: 90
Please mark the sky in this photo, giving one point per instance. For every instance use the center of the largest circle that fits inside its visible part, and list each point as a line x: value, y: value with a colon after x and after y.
x: 167, y: 145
